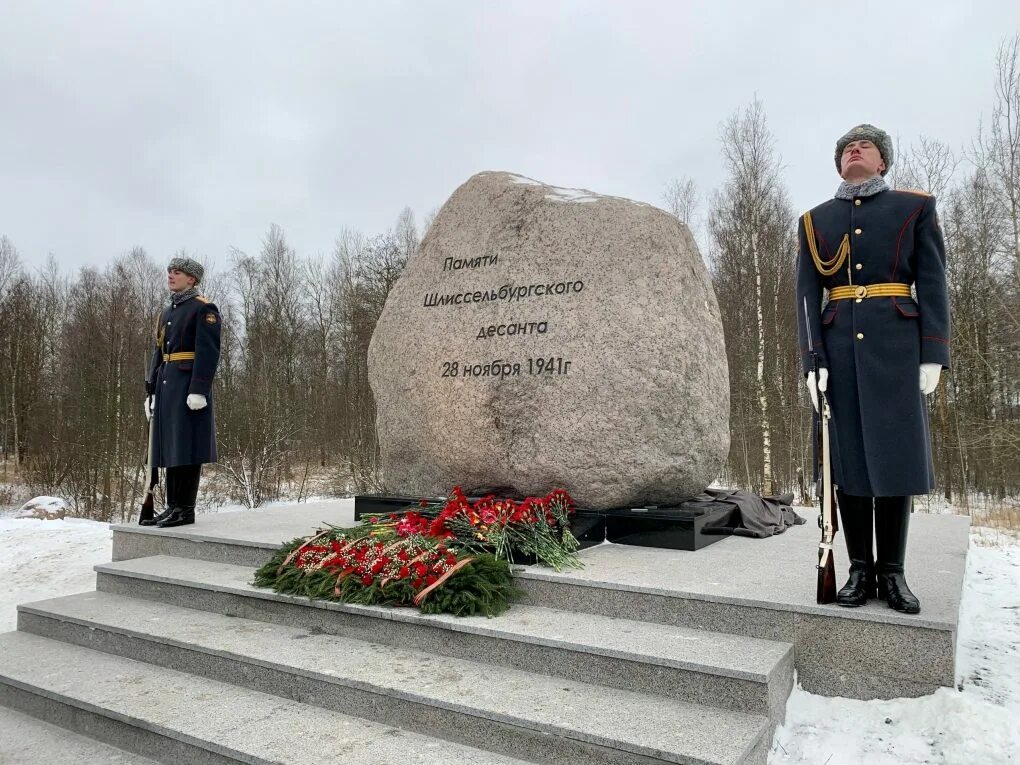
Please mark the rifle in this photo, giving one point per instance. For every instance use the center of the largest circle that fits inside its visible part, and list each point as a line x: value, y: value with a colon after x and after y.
x: 827, y: 521
x: 147, y: 512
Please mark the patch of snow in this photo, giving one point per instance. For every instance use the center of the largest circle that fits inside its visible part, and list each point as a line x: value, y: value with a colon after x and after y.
x: 46, y: 508
x: 558, y: 194
x: 525, y: 180
x: 972, y: 723
x: 563, y: 194
x: 46, y: 559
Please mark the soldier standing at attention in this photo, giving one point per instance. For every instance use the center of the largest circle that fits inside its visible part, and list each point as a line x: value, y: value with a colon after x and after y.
x: 179, y: 391
x: 880, y: 352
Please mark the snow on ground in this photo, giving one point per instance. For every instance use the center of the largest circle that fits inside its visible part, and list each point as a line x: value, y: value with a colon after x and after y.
x: 45, y: 559
x: 972, y: 724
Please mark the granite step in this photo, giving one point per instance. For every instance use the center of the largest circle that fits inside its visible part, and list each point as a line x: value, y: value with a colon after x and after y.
x: 757, y: 588
x: 178, y: 717
x: 25, y: 740
x: 511, y: 711
x: 701, y: 667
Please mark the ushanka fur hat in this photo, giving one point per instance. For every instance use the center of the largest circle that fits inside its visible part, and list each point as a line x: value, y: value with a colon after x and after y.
x: 866, y: 132
x: 187, y: 265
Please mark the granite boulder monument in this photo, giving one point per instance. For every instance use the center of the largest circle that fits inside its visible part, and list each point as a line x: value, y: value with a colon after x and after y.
x: 543, y: 337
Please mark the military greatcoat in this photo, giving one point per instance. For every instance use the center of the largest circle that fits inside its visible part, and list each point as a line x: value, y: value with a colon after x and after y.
x: 873, y: 346
x: 186, y: 354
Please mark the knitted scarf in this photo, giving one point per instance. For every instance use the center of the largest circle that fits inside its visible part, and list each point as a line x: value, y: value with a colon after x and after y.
x: 176, y: 298
x: 874, y: 185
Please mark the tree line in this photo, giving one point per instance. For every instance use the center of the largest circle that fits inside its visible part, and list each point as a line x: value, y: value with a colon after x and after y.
x: 295, y: 413
x: 749, y: 234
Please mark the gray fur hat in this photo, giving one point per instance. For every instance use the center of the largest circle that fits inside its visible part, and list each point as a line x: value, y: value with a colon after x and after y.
x: 188, y: 266
x: 866, y: 132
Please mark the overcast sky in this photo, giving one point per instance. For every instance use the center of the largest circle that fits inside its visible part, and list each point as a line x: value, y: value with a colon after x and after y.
x: 195, y: 125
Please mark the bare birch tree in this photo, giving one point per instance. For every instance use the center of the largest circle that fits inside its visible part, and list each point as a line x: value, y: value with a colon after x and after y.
x: 750, y: 225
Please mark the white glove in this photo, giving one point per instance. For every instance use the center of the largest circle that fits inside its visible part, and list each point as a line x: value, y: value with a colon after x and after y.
x: 930, y: 377
x: 149, y: 401
x: 822, y: 385
x: 196, y: 401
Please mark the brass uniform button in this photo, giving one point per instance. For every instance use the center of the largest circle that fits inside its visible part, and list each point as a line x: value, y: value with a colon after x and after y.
x: 857, y: 202
x: 860, y: 335
x: 857, y: 231
x: 859, y: 299
x: 859, y: 266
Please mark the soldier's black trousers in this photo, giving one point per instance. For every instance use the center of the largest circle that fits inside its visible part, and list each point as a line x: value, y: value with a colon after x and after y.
x: 182, y: 485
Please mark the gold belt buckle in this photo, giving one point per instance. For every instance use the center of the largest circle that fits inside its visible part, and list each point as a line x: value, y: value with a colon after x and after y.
x: 861, y: 291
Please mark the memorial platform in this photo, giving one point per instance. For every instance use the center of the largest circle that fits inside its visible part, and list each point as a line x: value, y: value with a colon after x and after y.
x: 643, y: 656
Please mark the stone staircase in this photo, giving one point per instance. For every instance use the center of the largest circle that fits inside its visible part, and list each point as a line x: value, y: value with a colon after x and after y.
x: 178, y: 658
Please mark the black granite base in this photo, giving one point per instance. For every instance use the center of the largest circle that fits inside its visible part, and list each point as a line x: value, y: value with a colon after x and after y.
x: 680, y: 527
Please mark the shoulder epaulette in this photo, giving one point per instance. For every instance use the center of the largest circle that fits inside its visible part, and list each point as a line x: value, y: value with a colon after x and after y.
x: 202, y: 299
x: 919, y: 192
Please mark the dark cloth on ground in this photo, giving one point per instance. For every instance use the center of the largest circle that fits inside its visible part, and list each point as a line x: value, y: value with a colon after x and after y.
x: 753, y: 515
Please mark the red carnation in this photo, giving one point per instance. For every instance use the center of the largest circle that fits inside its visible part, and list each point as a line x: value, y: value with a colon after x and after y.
x: 366, y: 580
x: 432, y: 579
x: 404, y: 572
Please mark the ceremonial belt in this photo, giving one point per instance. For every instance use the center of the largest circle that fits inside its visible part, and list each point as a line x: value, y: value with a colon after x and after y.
x: 882, y: 289
x: 181, y: 356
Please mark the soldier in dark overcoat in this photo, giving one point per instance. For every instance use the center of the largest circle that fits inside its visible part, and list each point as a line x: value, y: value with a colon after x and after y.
x: 179, y: 390
x: 872, y: 270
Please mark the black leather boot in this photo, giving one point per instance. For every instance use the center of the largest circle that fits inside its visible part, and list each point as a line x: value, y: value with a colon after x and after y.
x: 181, y: 516
x: 154, y: 521
x: 892, y: 518
x: 185, y: 478
x: 856, y: 515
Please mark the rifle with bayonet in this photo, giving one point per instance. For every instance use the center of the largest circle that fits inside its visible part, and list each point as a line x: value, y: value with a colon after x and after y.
x: 147, y: 512
x: 826, y: 591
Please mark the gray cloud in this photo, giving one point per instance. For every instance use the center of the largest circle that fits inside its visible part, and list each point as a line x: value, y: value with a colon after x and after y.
x: 197, y: 125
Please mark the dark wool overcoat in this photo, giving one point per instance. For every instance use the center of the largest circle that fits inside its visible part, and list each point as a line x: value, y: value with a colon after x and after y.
x: 873, y: 347
x: 180, y: 435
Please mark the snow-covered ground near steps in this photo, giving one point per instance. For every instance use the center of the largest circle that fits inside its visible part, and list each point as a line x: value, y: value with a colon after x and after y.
x: 975, y: 723
x: 43, y: 559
